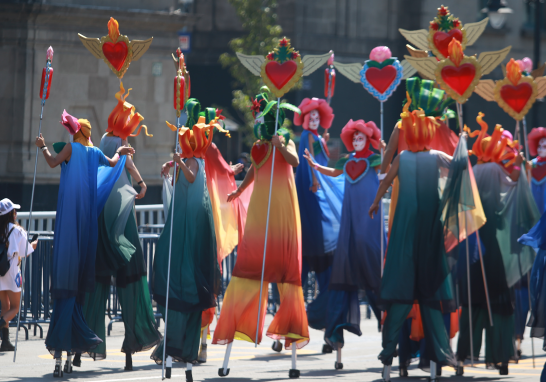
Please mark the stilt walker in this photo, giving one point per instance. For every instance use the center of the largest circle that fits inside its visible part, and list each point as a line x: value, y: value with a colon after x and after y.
x: 504, y: 261
x: 357, y: 260
x: 45, y: 86
x: 86, y: 183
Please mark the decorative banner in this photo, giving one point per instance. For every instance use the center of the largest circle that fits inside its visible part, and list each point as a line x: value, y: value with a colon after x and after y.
x: 44, y: 92
x: 442, y: 30
x: 517, y: 92
x: 116, y: 50
x: 283, y: 67
x: 458, y: 74
x: 382, y: 73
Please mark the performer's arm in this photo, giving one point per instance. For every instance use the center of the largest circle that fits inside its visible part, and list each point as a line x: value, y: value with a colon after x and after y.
x: 392, y: 147
x: 249, y: 178
x: 130, y: 166
x: 54, y: 161
x: 189, y: 168
x: 123, y: 150
x: 517, y: 168
x: 315, y: 186
x: 288, y: 151
x: 322, y: 169
x: 384, y: 186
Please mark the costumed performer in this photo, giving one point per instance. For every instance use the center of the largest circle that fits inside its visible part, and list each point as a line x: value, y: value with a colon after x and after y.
x: 283, y: 261
x: 86, y: 183
x: 510, y: 212
x: 357, y: 259
x: 320, y: 200
x: 537, y: 148
x: 119, y: 253
x: 416, y: 266
x: 194, y: 281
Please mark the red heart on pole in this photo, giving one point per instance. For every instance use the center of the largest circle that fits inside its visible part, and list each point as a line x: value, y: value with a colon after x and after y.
x: 459, y: 78
x: 355, y: 168
x: 115, y: 53
x: 516, y: 96
x: 382, y: 78
x: 260, y: 153
x: 280, y: 74
x: 442, y: 39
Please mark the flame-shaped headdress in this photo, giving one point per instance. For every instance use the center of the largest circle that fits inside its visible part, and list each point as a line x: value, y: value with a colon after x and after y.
x: 419, y: 129
x: 195, y: 142
x: 123, y: 120
x: 491, y: 148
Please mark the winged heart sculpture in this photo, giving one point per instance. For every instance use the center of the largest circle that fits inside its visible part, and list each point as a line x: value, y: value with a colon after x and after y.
x: 458, y: 74
x: 516, y: 93
x: 116, y: 50
x: 442, y: 30
x: 281, y: 69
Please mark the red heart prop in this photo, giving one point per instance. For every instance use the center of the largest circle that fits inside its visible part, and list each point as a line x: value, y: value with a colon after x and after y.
x: 442, y: 39
x: 516, y: 96
x: 538, y: 173
x: 355, y: 168
x: 115, y: 53
x: 280, y: 74
x: 260, y: 153
x: 382, y: 78
x: 459, y: 78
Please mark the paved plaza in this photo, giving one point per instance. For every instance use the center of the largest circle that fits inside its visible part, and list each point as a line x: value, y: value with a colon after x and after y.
x: 252, y: 364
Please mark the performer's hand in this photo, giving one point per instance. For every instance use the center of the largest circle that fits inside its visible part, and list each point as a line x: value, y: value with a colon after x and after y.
x: 234, y: 195
x: 143, y: 189
x: 307, y: 156
x: 383, y: 145
x: 373, y: 209
x: 40, y: 141
x: 126, y: 150
x: 326, y: 137
x: 528, y: 166
x: 519, y: 159
x: 177, y: 158
x: 277, y: 141
x: 237, y: 168
x: 316, y: 185
x: 34, y: 244
x: 165, y: 169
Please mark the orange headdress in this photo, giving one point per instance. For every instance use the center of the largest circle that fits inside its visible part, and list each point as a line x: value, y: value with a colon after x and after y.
x: 491, y: 148
x: 419, y: 129
x: 123, y: 120
x: 195, y: 142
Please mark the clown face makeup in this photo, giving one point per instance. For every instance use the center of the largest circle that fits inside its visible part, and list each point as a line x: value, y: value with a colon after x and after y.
x: 541, y: 149
x: 314, y: 120
x: 359, y: 141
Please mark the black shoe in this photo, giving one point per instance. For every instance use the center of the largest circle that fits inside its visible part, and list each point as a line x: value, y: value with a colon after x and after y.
x: 128, y: 362
x: 58, y: 372
x: 326, y: 349
x: 189, y: 376
x: 459, y: 371
x: 6, y: 344
x: 503, y: 370
x: 277, y: 346
x: 77, y: 361
x: 293, y: 373
x: 403, y: 371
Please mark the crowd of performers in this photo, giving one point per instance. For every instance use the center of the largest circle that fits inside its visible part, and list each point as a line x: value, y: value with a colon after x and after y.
x: 449, y: 262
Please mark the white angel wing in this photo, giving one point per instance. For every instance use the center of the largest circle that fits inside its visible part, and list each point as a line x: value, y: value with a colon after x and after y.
x: 485, y: 89
x: 92, y: 45
x: 312, y: 62
x: 252, y: 63
x: 140, y: 47
x: 408, y: 69
x: 426, y: 66
x: 351, y: 71
x: 419, y: 37
x: 490, y: 60
x: 475, y: 30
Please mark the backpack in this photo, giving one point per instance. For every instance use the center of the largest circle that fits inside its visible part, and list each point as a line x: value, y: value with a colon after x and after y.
x: 4, y: 262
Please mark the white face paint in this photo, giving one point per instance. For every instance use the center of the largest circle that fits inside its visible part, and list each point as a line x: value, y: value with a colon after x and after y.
x: 359, y: 141
x: 314, y: 120
x: 542, y: 148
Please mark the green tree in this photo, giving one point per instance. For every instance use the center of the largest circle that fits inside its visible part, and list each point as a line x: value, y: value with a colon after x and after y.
x: 259, y: 19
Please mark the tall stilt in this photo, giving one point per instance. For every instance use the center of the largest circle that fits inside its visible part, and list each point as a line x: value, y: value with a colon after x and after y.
x: 433, y: 376
x: 202, y: 358
x: 189, y: 375
x: 338, y: 365
x: 169, y: 367
x: 68, y: 364
x: 386, y: 373
x: 294, y: 372
x: 224, y: 370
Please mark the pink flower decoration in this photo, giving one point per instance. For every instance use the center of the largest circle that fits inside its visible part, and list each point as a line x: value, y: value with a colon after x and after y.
x: 380, y: 54
x: 367, y: 128
x: 331, y: 60
x: 308, y: 105
x: 49, y: 54
x: 70, y: 123
x: 527, y: 64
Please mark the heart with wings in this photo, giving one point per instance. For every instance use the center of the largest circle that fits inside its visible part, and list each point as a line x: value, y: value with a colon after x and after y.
x: 116, y: 50
x: 282, y: 68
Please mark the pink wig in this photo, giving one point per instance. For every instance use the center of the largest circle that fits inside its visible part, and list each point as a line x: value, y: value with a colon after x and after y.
x: 307, y: 106
x: 534, y: 137
x: 369, y: 129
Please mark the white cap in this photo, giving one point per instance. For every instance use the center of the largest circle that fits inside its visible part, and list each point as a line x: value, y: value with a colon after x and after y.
x: 7, y: 205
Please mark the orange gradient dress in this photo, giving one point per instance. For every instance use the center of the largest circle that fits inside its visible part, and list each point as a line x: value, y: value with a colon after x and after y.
x: 283, y: 259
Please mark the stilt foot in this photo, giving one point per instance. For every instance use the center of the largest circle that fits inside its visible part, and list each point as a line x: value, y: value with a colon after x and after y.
x: 503, y: 370
x: 168, y: 372
x: 202, y: 357
x: 403, y: 371
x: 277, y: 346
x: 77, y: 361
x: 386, y: 373
x: 459, y: 371
x: 221, y: 372
x: 293, y: 373
x: 326, y: 349
x: 67, y: 367
x: 58, y: 372
x: 189, y: 376
x: 338, y: 365
x: 128, y: 362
